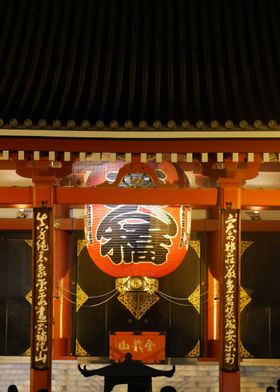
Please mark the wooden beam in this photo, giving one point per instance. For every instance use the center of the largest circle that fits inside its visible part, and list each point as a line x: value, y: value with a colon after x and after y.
x: 18, y: 197
x: 260, y: 197
x: 23, y: 196
x: 160, y: 196
x: 16, y: 224
x: 138, y: 146
x: 260, y: 226
x: 7, y: 165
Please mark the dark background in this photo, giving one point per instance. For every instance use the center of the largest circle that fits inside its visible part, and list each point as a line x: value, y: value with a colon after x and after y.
x: 15, y: 283
x: 260, y: 272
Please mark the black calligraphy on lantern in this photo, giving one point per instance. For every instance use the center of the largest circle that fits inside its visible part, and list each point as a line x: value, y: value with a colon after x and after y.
x: 41, y: 288
x: 134, y: 234
x: 230, y: 291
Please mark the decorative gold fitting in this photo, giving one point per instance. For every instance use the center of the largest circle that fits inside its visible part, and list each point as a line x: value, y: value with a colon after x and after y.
x: 136, y: 283
x: 57, y: 224
x: 137, y: 293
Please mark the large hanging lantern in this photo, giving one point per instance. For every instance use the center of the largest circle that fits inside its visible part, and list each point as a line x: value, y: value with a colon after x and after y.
x: 137, y: 244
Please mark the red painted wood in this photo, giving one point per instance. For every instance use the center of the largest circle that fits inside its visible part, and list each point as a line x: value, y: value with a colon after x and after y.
x: 20, y: 197
x: 40, y: 379
x: 229, y: 381
x: 171, y: 196
x: 138, y: 146
x: 62, y: 286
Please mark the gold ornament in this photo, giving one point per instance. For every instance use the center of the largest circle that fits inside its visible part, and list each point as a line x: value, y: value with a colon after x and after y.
x: 137, y: 293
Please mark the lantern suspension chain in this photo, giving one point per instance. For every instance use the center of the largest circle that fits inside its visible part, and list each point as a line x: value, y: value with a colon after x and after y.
x: 171, y: 297
x: 182, y: 298
x: 115, y: 292
x: 67, y: 299
x: 168, y: 298
x: 92, y: 296
x: 100, y: 303
x: 174, y: 300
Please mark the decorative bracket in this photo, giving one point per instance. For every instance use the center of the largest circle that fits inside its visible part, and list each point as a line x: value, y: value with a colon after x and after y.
x: 133, y: 168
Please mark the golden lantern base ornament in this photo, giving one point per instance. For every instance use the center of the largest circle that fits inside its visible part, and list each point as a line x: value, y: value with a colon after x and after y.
x: 137, y: 293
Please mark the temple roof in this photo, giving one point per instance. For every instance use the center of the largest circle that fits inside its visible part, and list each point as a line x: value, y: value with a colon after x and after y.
x: 140, y: 62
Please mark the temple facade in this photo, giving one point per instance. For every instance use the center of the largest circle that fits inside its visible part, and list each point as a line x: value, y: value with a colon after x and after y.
x: 139, y: 200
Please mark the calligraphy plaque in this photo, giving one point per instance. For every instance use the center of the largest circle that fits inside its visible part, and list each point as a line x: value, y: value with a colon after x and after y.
x: 41, y: 290
x: 230, y: 290
x: 148, y: 347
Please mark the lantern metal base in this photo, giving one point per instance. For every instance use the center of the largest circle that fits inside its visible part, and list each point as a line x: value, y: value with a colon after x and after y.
x: 137, y: 294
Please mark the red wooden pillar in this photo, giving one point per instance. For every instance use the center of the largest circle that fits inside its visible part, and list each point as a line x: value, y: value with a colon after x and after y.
x: 62, y: 286
x: 42, y: 285
x: 230, y: 203
x: 213, y: 299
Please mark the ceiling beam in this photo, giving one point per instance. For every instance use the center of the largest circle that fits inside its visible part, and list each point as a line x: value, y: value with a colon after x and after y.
x: 260, y: 197
x: 24, y: 196
x: 171, y: 196
x: 145, y: 146
x: 15, y: 196
x: 196, y: 197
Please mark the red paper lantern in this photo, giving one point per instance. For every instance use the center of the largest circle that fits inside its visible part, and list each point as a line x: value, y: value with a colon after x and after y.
x: 137, y: 240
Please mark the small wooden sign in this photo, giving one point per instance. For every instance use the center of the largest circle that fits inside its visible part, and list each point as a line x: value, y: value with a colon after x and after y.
x: 148, y: 347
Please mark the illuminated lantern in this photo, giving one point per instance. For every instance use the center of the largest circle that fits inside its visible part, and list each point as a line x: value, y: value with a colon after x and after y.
x: 137, y: 244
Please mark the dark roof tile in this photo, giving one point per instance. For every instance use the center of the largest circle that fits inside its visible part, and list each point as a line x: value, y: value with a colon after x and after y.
x: 161, y: 61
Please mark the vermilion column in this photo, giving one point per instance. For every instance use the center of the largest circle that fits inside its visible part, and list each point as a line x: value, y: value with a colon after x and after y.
x: 213, y: 300
x: 230, y: 233
x: 62, y: 286
x: 44, y: 176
